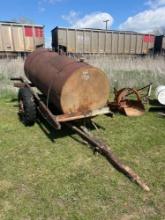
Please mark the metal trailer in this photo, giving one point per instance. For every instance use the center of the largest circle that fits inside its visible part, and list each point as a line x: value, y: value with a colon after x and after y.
x: 31, y: 104
x: 58, y: 101
x: 19, y: 39
x: 97, y: 41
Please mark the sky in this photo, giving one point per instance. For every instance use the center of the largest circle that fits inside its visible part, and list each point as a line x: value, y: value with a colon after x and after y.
x: 130, y: 15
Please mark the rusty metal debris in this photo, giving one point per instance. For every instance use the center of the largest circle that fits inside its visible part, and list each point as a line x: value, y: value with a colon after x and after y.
x: 128, y: 105
x: 129, y: 101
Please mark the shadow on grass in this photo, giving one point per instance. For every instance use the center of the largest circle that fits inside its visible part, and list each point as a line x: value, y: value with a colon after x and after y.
x: 156, y: 106
x: 51, y: 132
x: 54, y: 134
x: 14, y: 100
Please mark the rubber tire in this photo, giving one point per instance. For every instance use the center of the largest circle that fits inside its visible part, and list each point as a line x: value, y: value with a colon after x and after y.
x: 29, y: 115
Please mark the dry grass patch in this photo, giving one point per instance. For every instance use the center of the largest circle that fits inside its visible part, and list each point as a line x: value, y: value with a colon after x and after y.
x: 9, y: 68
x: 131, y: 71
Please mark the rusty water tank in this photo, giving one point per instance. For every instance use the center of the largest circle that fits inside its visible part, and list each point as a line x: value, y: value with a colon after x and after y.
x: 70, y: 85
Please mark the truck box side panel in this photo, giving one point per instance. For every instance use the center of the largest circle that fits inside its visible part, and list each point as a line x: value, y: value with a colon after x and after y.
x: 18, y: 38
x: 7, y: 38
x: 139, y: 43
x: 39, y: 36
x: 127, y: 41
x: 87, y: 41
x: 104, y: 41
x: 71, y: 41
x: 79, y: 41
x: 1, y: 41
x: 29, y: 38
x: 101, y: 41
x: 95, y: 42
x: 133, y: 44
x: 121, y: 43
x: 61, y: 37
x: 108, y: 48
x: 114, y: 43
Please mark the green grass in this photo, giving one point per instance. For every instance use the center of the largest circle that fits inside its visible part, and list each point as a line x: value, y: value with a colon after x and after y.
x: 42, y: 179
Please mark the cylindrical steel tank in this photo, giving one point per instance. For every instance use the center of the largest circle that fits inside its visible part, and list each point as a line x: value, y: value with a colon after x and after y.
x: 160, y: 94
x: 70, y: 85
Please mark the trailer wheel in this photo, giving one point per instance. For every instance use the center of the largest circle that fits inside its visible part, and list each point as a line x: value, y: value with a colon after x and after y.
x: 27, y: 107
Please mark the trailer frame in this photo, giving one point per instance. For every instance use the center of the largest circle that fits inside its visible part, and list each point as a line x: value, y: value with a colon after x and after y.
x: 56, y: 120
x: 69, y: 121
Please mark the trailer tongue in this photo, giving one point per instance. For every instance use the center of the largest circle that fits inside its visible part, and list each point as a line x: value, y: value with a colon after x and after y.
x: 104, y: 150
